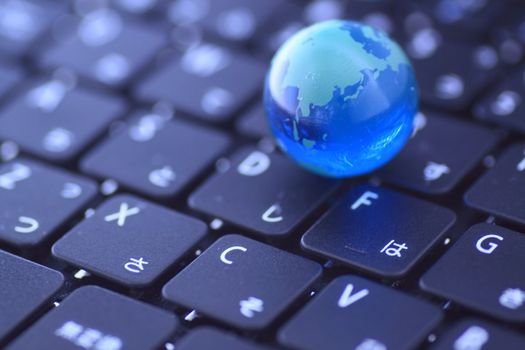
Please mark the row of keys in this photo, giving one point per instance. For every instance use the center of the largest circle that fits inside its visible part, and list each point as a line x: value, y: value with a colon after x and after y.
x: 276, y: 186
x: 342, y: 313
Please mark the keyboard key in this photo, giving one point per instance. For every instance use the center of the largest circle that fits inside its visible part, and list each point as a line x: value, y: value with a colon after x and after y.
x: 25, y: 287
x: 231, y: 20
x: 216, y: 82
x: 442, y: 152
x: 265, y: 193
x: 24, y: 22
x: 9, y: 77
x: 156, y: 156
x: 211, y: 338
x: 130, y: 241
x: 104, y: 48
x: 55, y: 121
x: 480, y: 271
x: 508, y: 36
x: 389, y: 231
x: 467, y: 20
x: 504, y: 105
x: 254, y: 123
x: 450, y: 74
x: 242, y: 282
x: 353, y: 313
x: 96, y: 319
x: 501, y: 191
x: 36, y: 200
x: 478, y: 335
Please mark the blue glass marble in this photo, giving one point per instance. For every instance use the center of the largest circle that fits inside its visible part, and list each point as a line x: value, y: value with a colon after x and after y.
x: 340, y: 98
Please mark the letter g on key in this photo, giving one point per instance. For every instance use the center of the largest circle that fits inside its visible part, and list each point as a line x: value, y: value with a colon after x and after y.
x: 490, y: 246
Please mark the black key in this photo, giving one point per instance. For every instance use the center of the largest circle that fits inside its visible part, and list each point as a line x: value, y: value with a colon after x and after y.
x: 509, y: 37
x: 129, y: 240
x: 253, y: 123
x: 211, y: 338
x: 354, y: 313
x: 25, y: 287
x: 479, y: 335
x: 94, y: 318
x: 242, y: 282
x: 105, y: 49
x: 56, y: 121
x: 9, y: 77
x: 501, y: 191
x: 441, y: 153
x: 35, y: 200
x: 481, y: 271
x: 504, y: 105
x: 231, y: 20
x: 24, y: 22
x: 156, y: 156
x: 389, y: 231
x: 452, y: 74
x: 467, y: 20
x: 264, y: 193
x: 216, y: 82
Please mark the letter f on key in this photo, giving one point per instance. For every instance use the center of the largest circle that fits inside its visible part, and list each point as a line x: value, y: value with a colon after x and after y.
x: 365, y: 199
x: 347, y: 298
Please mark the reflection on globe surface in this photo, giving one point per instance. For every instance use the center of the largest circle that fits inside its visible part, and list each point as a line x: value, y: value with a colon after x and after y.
x: 341, y: 98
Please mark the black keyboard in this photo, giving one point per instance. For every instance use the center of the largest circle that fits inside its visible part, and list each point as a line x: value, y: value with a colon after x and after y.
x: 144, y: 204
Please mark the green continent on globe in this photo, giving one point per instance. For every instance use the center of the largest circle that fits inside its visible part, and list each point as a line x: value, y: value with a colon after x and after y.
x: 316, y: 82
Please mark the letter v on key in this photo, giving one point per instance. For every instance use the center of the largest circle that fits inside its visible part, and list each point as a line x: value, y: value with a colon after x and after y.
x: 346, y: 299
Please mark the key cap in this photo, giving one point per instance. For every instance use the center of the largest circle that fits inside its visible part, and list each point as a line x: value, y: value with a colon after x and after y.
x: 254, y: 123
x: 480, y: 272
x: 26, y: 286
x: 105, y: 49
x: 242, y: 282
x: 389, y: 231
x: 509, y: 38
x: 216, y: 82
x: 504, y: 105
x: 9, y: 77
x: 467, y: 20
x: 354, y: 313
x: 98, y: 319
x: 477, y: 334
x: 264, y: 193
x: 36, y: 200
x: 231, y: 20
x: 55, y: 121
x: 501, y: 191
x: 211, y: 338
x: 441, y: 153
x: 24, y: 22
x: 129, y: 240
x: 450, y: 75
x: 156, y: 156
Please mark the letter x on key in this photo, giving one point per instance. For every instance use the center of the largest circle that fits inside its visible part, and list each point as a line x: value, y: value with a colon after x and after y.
x: 122, y: 214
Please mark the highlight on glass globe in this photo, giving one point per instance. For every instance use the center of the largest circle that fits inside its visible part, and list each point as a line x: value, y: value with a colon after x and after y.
x: 340, y: 98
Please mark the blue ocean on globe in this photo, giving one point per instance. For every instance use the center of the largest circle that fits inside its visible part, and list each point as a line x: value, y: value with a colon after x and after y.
x: 340, y: 98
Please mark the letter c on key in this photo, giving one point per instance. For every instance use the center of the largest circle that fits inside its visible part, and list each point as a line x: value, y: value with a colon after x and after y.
x: 488, y: 249
x: 227, y: 261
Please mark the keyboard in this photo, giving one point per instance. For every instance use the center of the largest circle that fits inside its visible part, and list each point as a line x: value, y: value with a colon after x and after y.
x: 145, y: 205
